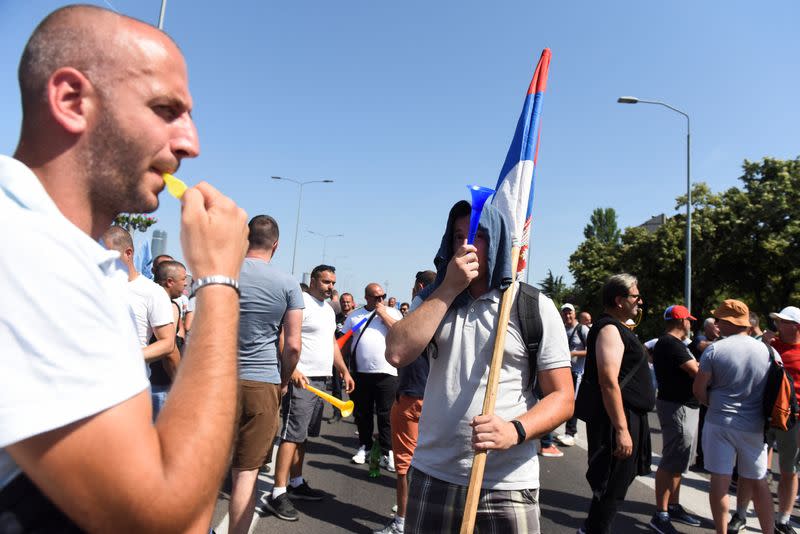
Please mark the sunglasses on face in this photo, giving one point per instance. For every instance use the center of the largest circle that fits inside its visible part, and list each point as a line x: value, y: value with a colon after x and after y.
x: 379, y: 297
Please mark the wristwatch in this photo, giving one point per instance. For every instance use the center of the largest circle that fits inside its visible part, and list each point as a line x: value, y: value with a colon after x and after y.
x: 521, y: 434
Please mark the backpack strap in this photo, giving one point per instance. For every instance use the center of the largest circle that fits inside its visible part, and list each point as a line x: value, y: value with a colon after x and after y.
x: 530, y: 323
x: 355, y: 344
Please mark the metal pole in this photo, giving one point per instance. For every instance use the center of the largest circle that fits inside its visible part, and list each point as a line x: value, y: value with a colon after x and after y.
x: 297, y: 226
x: 161, y: 16
x: 688, y: 281
x: 687, y: 288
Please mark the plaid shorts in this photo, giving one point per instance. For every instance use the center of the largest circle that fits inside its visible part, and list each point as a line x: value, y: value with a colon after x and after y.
x: 436, y: 506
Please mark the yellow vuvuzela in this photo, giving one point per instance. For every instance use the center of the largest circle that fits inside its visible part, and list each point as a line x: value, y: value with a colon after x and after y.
x: 345, y: 407
x: 175, y: 187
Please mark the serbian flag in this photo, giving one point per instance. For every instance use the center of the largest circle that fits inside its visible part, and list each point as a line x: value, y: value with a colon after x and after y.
x: 342, y: 340
x: 514, y: 190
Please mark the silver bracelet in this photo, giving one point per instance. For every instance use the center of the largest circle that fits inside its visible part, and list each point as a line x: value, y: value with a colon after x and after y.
x: 217, y: 279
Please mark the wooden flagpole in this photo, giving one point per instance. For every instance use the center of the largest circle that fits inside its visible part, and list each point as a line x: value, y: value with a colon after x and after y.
x: 479, y: 460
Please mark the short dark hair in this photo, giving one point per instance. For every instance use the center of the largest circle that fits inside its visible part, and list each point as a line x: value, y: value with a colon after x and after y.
x: 167, y: 269
x: 673, y: 324
x: 319, y: 269
x: 618, y: 285
x: 264, y: 232
x: 158, y: 259
x: 404, y: 304
x: 348, y: 295
x: 425, y: 278
x: 117, y: 238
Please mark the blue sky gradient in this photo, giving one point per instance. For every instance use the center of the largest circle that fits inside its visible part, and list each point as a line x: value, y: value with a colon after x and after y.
x: 404, y: 104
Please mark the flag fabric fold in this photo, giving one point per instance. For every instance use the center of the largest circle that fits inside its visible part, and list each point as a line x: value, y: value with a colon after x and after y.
x: 514, y: 189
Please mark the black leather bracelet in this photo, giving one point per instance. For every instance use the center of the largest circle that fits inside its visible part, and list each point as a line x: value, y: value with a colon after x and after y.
x: 521, y: 434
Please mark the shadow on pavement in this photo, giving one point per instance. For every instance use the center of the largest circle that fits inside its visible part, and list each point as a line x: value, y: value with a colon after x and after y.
x: 357, y: 473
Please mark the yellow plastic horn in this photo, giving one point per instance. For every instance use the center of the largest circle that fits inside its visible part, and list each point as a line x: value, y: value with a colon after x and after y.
x: 345, y: 407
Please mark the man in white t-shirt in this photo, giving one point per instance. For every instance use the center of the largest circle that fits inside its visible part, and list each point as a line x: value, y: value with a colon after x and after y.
x: 103, y: 116
x: 302, y: 410
x: 376, y: 380
x: 185, y: 304
x: 459, y: 312
x: 150, y: 304
x: 171, y: 275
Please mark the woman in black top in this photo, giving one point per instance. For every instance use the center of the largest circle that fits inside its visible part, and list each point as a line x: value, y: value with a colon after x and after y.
x: 614, y: 399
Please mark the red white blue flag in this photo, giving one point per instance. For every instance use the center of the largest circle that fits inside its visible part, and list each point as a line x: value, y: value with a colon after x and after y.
x: 514, y: 190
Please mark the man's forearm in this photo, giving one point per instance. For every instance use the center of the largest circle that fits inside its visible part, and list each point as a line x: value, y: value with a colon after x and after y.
x: 338, y: 363
x: 158, y: 349
x: 548, y: 413
x: 409, y: 337
x: 289, y: 358
x: 200, y: 410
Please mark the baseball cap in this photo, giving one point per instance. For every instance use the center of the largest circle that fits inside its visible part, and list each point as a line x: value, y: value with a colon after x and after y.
x: 789, y: 313
x: 569, y: 306
x: 734, y: 311
x: 677, y: 312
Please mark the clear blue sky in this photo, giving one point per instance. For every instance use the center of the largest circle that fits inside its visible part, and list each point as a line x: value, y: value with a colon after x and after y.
x: 403, y: 104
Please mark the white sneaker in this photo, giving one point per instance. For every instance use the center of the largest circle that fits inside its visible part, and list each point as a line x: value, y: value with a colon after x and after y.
x: 360, y: 456
x: 391, y: 528
x: 387, y: 462
x: 565, y: 440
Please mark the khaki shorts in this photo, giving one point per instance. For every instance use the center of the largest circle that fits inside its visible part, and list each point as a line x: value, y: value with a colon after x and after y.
x: 787, y: 448
x: 405, y: 430
x: 259, y: 408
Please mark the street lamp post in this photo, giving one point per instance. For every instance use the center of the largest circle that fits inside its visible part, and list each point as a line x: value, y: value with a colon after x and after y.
x: 324, y: 241
x: 687, y: 289
x: 161, y: 14
x: 299, y: 205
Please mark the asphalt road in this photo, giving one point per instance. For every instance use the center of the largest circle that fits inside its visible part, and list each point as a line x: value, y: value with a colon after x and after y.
x: 356, y: 503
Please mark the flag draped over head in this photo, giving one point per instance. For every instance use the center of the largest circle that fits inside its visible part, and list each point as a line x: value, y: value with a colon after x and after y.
x: 514, y: 190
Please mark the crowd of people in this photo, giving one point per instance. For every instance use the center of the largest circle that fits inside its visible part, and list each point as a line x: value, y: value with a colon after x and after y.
x: 104, y: 366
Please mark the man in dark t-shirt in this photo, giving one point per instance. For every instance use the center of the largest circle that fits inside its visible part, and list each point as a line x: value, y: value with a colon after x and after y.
x: 678, y: 413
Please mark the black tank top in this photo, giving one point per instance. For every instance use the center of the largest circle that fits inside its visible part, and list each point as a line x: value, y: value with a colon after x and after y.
x: 638, y: 394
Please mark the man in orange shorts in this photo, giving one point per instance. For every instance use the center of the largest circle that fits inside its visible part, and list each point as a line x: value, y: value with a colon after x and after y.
x: 405, y: 414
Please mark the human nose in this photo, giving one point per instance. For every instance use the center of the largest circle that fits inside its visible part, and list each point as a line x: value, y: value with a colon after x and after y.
x: 185, y: 142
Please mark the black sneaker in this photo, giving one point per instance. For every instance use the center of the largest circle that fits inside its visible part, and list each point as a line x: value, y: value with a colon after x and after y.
x: 282, y: 507
x: 784, y: 528
x: 661, y: 525
x: 679, y: 514
x: 304, y: 492
x: 736, y: 523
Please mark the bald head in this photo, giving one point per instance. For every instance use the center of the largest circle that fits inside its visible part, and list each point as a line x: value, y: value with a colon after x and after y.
x: 89, y: 39
x: 106, y: 112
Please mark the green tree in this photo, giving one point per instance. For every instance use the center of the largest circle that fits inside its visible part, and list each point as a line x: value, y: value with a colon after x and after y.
x: 745, y: 245
x: 603, y: 226
x: 554, y: 287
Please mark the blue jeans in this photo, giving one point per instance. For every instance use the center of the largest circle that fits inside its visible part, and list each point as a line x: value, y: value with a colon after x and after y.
x: 158, y: 395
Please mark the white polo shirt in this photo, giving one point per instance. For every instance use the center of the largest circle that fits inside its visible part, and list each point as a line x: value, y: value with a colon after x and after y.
x: 456, y: 388
x: 69, y: 347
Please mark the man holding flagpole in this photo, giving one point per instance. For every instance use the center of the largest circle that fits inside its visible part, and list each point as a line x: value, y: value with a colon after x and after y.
x: 459, y: 313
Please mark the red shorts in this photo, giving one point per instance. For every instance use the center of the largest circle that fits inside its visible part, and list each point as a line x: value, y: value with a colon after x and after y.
x: 405, y: 430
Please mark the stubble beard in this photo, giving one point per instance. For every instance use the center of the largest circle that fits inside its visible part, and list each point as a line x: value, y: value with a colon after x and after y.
x: 114, y: 165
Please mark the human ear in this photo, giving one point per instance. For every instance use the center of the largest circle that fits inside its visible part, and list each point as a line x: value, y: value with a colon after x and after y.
x: 67, y: 97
